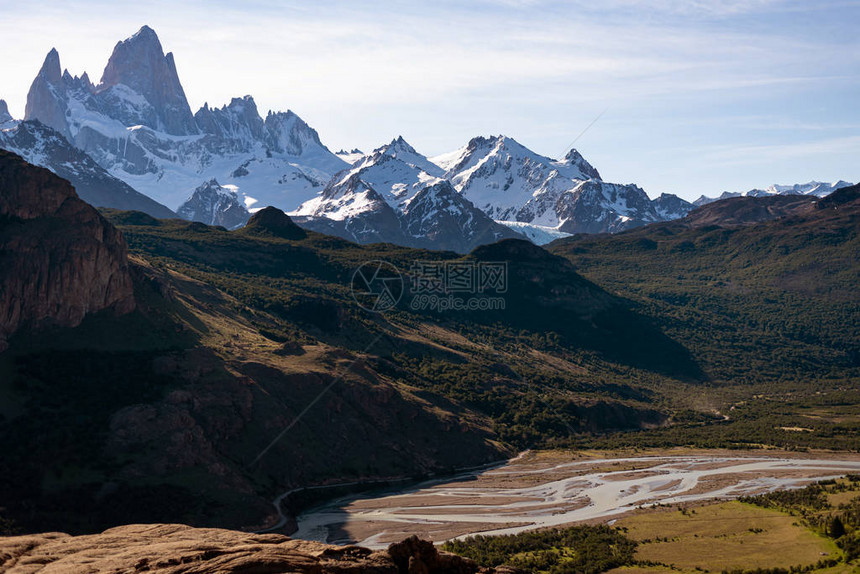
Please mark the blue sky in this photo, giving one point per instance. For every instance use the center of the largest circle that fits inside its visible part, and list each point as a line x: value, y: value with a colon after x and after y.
x: 699, y: 97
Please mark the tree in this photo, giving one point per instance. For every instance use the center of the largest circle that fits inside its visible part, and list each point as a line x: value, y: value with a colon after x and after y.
x: 836, y: 529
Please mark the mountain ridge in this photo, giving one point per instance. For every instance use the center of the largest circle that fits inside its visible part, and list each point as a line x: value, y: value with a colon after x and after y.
x: 137, y: 125
x: 813, y: 188
x: 45, y: 147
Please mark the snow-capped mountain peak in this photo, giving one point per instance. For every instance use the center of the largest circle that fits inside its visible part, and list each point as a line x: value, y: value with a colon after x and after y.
x: 395, y: 172
x: 399, y: 144
x: 546, y: 198
x: 350, y: 157
x: 817, y: 188
x: 402, y: 151
x: 292, y: 136
x: 214, y: 204
x: 140, y: 64
x: 501, y: 176
x: 349, y: 198
x: 237, y: 124
x: 137, y: 125
x: 575, y: 160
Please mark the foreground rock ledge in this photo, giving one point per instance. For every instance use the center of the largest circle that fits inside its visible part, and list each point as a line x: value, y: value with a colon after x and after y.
x: 176, y: 548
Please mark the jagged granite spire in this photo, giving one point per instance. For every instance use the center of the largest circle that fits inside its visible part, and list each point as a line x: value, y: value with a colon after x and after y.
x: 239, y: 120
x: 51, y: 67
x: 401, y: 144
x: 5, y: 116
x: 139, y: 62
x: 46, y: 100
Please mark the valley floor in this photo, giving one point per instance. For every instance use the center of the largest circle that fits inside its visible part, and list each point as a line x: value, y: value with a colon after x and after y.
x: 555, y: 488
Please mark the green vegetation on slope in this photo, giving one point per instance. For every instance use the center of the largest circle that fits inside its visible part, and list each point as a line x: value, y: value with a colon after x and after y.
x: 535, y: 385
x: 670, y: 335
x: 771, y: 312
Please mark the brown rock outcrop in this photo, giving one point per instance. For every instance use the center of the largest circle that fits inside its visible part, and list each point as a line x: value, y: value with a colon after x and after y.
x: 416, y: 556
x: 175, y: 549
x: 59, y: 259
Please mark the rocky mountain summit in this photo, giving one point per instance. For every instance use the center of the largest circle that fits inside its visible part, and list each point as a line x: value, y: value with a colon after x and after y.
x: 61, y: 260
x: 214, y: 204
x: 136, y: 123
x: 140, y: 64
x: 175, y: 549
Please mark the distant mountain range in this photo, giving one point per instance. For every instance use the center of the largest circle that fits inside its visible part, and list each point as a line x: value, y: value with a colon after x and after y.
x: 815, y: 188
x: 132, y: 142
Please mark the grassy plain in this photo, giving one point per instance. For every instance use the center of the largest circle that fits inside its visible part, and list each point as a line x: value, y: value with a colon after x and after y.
x: 725, y: 536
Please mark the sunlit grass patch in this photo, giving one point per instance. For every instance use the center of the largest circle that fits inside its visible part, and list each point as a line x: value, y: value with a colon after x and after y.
x: 729, y: 535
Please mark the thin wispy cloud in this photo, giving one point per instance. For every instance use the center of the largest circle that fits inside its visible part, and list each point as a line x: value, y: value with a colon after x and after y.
x: 749, y: 155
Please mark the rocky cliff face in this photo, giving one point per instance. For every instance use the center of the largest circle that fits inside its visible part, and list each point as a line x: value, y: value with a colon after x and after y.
x: 174, y: 548
x: 60, y: 259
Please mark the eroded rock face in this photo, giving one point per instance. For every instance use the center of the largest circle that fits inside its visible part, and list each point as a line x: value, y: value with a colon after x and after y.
x: 59, y: 259
x: 175, y: 548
